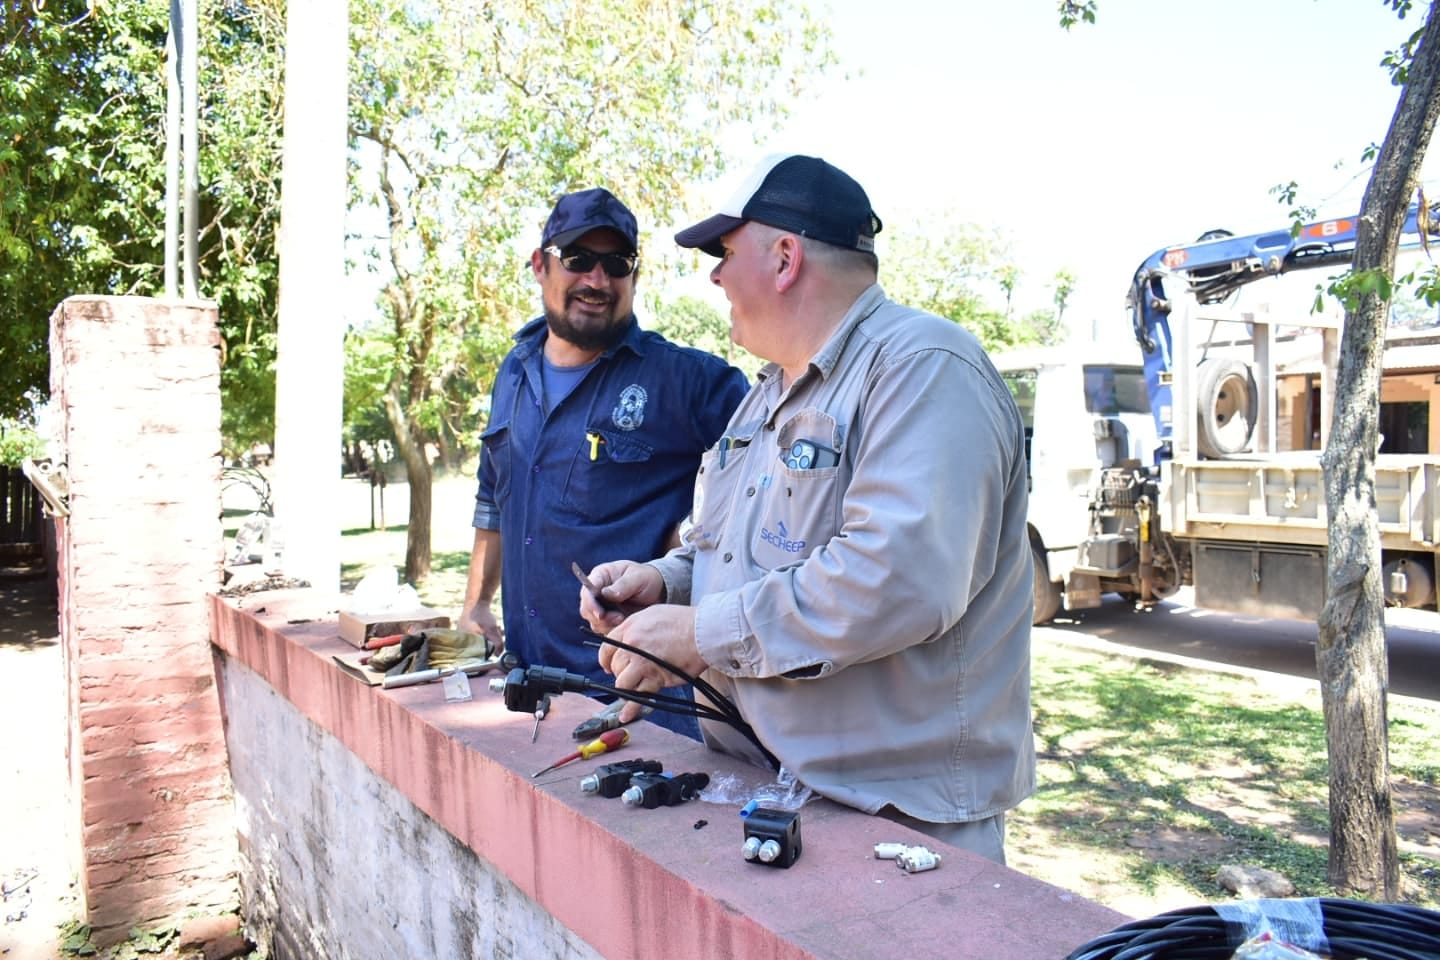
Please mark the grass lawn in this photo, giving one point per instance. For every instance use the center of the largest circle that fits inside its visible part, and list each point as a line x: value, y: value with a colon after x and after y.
x: 1151, y: 776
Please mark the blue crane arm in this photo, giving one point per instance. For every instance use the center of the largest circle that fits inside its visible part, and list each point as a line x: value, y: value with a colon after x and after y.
x: 1218, y: 264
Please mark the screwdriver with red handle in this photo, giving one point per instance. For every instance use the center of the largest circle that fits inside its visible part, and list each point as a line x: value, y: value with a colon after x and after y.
x: 609, y: 740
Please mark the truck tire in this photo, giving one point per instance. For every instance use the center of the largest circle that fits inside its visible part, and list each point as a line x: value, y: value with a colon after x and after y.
x: 1047, y: 591
x: 1226, y: 401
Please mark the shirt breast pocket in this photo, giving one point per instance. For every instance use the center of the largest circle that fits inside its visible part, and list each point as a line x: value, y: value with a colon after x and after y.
x: 722, y: 474
x: 609, y: 476
x: 802, y: 510
x: 496, y: 451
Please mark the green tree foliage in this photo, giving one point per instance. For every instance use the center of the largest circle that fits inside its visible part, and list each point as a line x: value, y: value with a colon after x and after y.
x: 951, y: 269
x: 82, y: 179
x: 468, y: 120
x: 695, y: 323
x: 1076, y: 11
x: 1039, y: 327
x: 17, y: 442
x: 1008, y: 276
x: 1061, y: 288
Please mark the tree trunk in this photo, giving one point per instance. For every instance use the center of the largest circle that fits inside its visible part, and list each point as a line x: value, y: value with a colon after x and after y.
x: 417, y: 473
x: 449, y: 451
x: 1350, y: 654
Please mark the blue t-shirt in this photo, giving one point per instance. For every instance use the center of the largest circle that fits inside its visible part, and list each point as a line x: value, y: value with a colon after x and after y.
x: 559, y: 381
x: 606, y: 475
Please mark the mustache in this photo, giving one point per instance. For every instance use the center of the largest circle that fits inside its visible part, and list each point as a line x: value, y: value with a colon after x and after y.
x: 606, y: 295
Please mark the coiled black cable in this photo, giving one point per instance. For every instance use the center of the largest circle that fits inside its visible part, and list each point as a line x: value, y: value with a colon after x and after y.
x: 1353, y: 929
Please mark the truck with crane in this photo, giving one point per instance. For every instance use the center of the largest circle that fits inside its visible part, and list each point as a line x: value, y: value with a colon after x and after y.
x: 1179, y: 479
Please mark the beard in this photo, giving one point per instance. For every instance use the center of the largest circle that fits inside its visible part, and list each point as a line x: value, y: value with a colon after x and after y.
x: 597, y: 336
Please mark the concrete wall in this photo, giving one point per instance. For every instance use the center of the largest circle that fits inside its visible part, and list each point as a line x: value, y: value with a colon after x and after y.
x: 330, y: 850
x: 380, y: 824
x: 136, y: 383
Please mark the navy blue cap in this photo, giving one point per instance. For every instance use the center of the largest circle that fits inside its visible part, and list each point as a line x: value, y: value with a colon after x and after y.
x: 576, y: 214
x: 803, y: 195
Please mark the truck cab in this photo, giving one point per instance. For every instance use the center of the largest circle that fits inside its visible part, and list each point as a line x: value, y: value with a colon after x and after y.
x: 1085, y: 408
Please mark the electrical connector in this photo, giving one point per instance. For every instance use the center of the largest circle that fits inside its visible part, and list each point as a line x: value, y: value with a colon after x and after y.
x: 613, y: 779
x: 889, y: 850
x: 772, y: 837
x: 525, y: 687
x: 917, y: 859
x: 651, y: 790
x: 911, y: 859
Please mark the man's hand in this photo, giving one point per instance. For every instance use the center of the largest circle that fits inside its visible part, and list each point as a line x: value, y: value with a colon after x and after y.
x: 625, y: 585
x: 666, y: 630
x: 479, y: 618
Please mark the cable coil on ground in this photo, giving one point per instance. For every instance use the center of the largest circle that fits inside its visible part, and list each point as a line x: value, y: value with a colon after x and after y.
x: 1353, y: 930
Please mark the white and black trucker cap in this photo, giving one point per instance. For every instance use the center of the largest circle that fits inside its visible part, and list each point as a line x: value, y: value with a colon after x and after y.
x: 804, y: 195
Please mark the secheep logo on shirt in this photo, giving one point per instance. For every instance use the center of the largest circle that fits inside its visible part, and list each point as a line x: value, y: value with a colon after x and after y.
x: 781, y: 538
x: 629, y: 413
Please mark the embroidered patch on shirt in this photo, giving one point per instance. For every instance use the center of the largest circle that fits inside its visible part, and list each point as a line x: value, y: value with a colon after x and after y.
x: 629, y: 413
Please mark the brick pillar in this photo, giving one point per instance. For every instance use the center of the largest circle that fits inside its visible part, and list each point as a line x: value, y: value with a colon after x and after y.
x: 137, y: 386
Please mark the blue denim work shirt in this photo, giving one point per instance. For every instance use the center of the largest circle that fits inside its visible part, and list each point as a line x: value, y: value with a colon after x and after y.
x: 606, y: 475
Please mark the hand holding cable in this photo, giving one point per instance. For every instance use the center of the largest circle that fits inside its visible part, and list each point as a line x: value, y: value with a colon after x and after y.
x: 667, y: 633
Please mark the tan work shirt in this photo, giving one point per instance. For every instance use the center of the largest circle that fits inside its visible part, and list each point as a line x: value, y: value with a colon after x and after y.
x: 871, y: 618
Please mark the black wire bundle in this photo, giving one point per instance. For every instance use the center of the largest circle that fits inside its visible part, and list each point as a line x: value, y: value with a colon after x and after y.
x: 723, y: 711
x: 1353, y: 929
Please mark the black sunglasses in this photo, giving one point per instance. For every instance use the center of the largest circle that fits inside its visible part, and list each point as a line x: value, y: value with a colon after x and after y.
x: 580, y: 260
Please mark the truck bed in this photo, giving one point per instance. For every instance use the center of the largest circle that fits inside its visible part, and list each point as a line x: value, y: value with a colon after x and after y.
x: 1281, y: 498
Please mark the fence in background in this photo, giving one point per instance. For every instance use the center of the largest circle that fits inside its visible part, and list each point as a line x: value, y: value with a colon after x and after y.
x: 21, y: 514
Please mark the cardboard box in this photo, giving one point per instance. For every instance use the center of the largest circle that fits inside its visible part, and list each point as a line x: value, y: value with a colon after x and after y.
x: 356, y: 628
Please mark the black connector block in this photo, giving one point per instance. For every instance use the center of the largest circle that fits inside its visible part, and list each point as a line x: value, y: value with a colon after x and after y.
x: 772, y: 837
x: 613, y: 779
x: 651, y: 790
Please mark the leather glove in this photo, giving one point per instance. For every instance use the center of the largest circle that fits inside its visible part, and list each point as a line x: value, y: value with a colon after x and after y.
x: 446, y: 647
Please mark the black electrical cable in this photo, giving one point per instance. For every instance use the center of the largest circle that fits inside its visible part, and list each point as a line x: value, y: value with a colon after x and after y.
x: 661, y: 701
x: 544, y: 680
x: 1353, y: 930
x: 725, y: 707
x: 721, y: 702
x: 686, y: 707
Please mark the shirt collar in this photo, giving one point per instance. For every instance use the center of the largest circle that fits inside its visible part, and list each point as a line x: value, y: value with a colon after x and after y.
x: 867, y: 303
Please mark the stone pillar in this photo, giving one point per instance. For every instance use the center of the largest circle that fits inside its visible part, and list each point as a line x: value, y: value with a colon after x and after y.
x: 136, y: 385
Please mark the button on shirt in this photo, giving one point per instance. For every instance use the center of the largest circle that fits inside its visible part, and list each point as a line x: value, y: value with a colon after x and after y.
x: 871, y: 618
x: 607, y: 474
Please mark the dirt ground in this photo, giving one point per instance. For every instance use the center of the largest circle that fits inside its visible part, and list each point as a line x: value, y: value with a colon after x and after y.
x: 37, y: 894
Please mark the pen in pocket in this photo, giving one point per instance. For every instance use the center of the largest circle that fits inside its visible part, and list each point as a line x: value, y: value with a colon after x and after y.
x: 730, y: 443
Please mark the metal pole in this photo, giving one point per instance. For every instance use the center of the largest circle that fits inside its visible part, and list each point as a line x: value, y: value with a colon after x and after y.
x: 189, y: 57
x: 172, y: 157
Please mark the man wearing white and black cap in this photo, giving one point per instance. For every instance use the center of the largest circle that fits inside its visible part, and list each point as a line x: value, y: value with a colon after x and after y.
x: 857, y: 574
x: 595, y: 432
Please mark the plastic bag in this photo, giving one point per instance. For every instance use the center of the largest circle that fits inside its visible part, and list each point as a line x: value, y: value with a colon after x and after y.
x: 785, y: 792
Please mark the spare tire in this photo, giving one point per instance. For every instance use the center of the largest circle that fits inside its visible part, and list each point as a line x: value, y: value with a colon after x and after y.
x: 1226, y: 402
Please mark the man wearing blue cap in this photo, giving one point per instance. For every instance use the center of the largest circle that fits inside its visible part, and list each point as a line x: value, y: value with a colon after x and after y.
x: 857, y: 576
x: 595, y: 432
